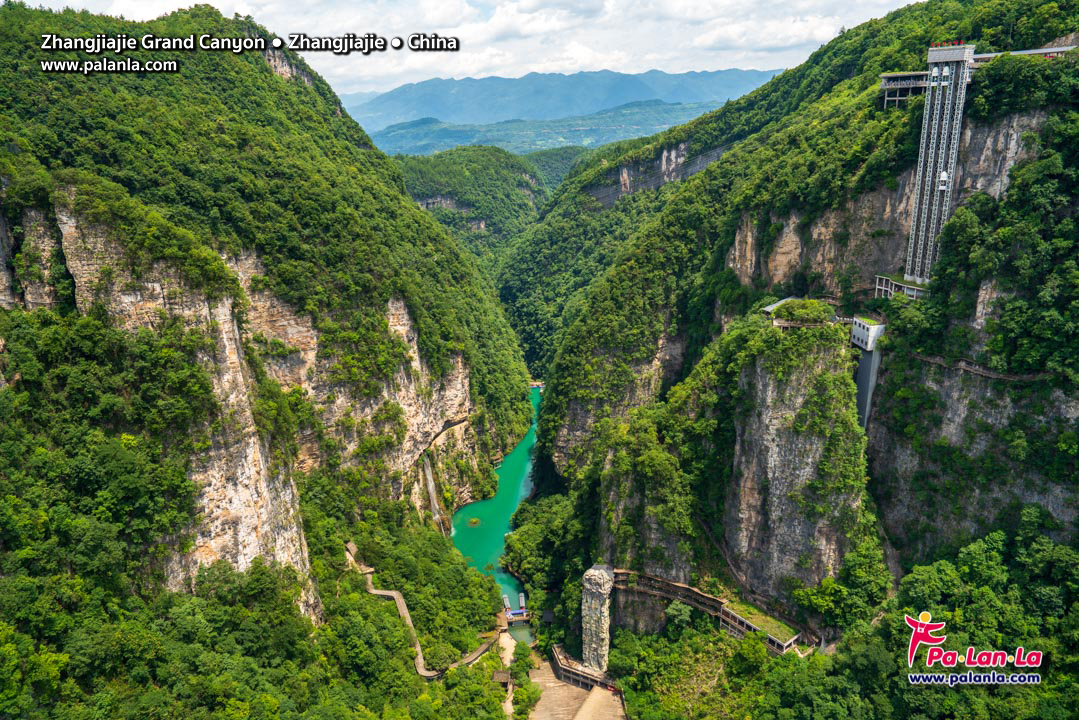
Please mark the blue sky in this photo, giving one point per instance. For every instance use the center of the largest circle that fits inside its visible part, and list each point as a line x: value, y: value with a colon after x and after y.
x: 511, y: 39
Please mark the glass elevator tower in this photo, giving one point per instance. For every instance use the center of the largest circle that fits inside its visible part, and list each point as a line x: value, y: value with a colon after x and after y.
x: 942, y: 122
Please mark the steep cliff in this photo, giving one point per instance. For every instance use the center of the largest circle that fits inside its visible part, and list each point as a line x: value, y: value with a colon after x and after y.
x: 958, y: 454
x: 838, y: 250
x: 759, y: 447
x: 347, y: 333
x: 798, y: 482
x: 843, y: 248
x: 248, y: 502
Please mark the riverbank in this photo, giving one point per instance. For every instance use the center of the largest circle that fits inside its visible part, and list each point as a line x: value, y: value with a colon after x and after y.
x: 480, y: 528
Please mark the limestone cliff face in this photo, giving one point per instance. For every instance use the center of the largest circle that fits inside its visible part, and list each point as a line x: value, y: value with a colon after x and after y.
x: 443, y: 201
x: 429, y: 405
x: 649, y: 378
x: 652, y: 548
x: 8, y: 298
x: 673, y: 163
x: 770, y: 533
x: 248, y: 506
x: 924, y: 504
x: 868, y: 235
x: 247, y: 499
x: 864, y: 237
x: 282, y: 66
x: 35, y: 262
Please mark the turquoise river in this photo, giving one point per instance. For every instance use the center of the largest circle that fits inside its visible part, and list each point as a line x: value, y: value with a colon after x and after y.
x: 479, y: 529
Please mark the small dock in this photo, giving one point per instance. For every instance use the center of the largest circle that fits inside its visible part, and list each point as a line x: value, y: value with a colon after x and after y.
x: 516, y: 617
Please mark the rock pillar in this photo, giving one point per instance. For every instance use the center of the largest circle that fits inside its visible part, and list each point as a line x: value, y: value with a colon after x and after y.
x: 596, y: 616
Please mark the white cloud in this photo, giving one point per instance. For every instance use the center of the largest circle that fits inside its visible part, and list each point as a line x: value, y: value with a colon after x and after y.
x: 773, y: 34
x: 514, y: 38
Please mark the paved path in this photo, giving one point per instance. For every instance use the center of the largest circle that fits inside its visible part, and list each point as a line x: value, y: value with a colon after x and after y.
x: 601, y: 704
x: 402, y: 610
x: 559, y: 701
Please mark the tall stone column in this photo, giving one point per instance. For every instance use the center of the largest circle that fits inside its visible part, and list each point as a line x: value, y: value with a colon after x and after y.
x: 596, y: 616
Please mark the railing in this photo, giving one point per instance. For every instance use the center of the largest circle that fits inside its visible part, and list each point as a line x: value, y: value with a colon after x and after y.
x: 732, y: 622
x: 574, y: 673
x: 887, y: 84
x: 781, y: 323
x: 976, y: 369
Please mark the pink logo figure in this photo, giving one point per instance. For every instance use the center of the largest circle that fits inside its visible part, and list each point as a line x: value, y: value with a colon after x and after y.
x: 922, y: 632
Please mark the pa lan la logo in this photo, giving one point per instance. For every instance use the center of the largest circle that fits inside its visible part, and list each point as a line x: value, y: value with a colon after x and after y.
x: 923, y: 633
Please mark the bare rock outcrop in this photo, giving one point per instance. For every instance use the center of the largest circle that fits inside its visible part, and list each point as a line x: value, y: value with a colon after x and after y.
x: 868, y: 234
x: 39, y: 246
x: 248, y: 504
x: 596, y: 587
x: 247, y: 499
x: 771, y: 533
x: 8, y: 299
x: 283, y: 67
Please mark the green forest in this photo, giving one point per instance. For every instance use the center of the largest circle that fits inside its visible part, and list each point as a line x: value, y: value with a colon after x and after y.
x: 430, y: 135
x: 674, y: 388
x: 101, y: 426
x: 494, y: 195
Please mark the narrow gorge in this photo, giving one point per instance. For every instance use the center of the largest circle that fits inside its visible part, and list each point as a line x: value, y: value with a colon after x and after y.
x: 712, y: 423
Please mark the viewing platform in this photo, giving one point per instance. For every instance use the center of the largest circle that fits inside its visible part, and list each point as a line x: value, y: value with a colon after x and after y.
x: 888, y: 285
x: 899, y: 86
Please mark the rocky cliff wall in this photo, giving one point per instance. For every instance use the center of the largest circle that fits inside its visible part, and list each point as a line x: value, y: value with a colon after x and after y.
x: 968, y: 464
x: 631, y: 533
x: 777, y: 525
x: 429, y: 405
x: 672, y: 164
x: 8, y: 298
x: 248, y: 503
x: 35, y: 259
x: 867, y: 235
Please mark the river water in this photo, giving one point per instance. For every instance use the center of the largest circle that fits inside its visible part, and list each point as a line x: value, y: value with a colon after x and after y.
x: 479, y: 528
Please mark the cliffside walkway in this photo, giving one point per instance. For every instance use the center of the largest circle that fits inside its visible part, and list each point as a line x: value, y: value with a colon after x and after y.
x: 976, y: 369
x: 732, y: 622
x: 402, y: 610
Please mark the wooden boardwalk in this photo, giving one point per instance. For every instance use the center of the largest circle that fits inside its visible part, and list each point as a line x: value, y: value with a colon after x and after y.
x: 638, y: 582
x: 975, y: 369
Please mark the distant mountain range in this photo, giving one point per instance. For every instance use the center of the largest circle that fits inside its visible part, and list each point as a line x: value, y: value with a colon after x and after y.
x: 355, y: 99
x: 429, y: 135
x: 544, y: 96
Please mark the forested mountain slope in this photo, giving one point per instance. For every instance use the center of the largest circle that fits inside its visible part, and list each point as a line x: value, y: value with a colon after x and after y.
x: 837, y: 145
x: 484, y: 195
x: 556, y: 163
x: 227, y: 339
x: 679, y: 441
x: 787, y: 208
